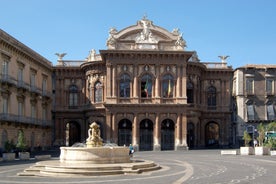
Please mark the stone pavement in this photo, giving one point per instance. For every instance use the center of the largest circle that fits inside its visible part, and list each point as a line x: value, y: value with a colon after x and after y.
x: 191, y: 167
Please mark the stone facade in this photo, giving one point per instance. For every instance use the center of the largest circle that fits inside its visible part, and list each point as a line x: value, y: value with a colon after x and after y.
x: 145, y: 90
x: 254, y: 97
x: 25, y: 95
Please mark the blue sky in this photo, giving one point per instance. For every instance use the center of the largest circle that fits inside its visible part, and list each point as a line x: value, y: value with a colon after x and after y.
x: 243, y: 29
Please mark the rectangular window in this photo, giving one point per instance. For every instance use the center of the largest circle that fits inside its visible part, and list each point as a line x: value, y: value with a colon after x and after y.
x: 5, y: 105
x: 249, y: 86
x: 270, y: 112
x: 250, y: 112
x: 44, y: 113
x: 44, y: 85
x: 20, y: 109
x: 20, y: 75
x: 269, y: 86
x: 33, y: 111
x: 5, y: 68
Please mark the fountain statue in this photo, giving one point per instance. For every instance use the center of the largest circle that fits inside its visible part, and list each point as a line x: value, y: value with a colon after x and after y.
x: 94, y: 136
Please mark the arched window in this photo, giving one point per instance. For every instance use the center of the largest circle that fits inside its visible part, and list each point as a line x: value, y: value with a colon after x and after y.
x: 167, y: 86
x: 98, y: 92
x: 125, y: 85
x: 211, y: 97
x: 73, y: 96
x: 146, y: 86
x: 190, y: 92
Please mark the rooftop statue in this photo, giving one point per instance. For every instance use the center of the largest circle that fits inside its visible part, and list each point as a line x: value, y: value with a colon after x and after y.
x: 146, y: 35
x: 111, y: 41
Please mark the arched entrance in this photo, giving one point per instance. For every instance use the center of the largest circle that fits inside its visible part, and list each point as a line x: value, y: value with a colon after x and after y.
x: 72, y: 133
x: 212, y: 135
x: 190, y: 135
x: 167, y: 135
x: 124, y: 132
x: 146, y: 135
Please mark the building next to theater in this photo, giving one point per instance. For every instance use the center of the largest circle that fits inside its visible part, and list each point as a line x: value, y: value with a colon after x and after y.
x: 25, y: 94
x: 145, y: 89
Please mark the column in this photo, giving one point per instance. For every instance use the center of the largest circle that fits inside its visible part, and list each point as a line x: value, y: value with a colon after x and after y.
x: 184, y: 130
x: 135, y: 133
x: 114, y: 81
x: 178, y: 131
x: 114, y: 130
x: 178, y: 84
x: 157, y: 134
x: 135, y: 81
x: 108, y: 127
x: 108, y: 81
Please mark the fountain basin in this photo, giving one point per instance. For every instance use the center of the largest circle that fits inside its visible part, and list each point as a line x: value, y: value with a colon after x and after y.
x: 94, y: 155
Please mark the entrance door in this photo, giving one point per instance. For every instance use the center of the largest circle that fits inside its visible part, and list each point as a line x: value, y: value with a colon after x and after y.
x: 72, y: 133
x: 167, y: 135
x: 124, y: 132
x: 190, y: 135
x: 146, y: 135
x: 212, y: 135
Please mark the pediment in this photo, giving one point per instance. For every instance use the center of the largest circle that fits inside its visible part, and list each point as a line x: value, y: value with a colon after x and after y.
x: 145, y: 36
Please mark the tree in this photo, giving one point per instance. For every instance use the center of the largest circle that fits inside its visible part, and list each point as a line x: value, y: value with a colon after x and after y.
x: 261, y: 132
x: 247, y: 138
x: 21, y: 145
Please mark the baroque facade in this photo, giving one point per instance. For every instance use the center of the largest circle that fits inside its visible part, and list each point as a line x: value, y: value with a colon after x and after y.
x: 145, y: 90
x: 25, y: 94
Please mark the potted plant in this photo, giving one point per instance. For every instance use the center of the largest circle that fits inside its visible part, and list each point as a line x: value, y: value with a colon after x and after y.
x: 246, y: 149
x: 22, y: 147
x: 261, y: 149
x: 8, y: 155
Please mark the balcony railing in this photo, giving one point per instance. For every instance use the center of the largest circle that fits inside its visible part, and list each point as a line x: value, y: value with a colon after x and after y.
x: 8, y: 79
x: 23, y: 119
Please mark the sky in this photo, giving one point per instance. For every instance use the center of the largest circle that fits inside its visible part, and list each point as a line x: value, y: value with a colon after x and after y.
x: 243, y: 29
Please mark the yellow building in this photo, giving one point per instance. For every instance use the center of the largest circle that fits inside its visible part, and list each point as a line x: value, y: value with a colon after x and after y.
x: 25, y: 94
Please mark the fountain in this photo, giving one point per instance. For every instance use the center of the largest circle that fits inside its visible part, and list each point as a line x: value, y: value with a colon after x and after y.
x: 92, y: 160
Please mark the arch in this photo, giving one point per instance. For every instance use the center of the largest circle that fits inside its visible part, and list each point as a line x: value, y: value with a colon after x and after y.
x: 212, y: 134
x: 32, y: 138
x: 98, y: 92
x: 73, y: 133
x: 167, y: 86
x: 190, y: 135
x: 124, y: 132
x: 124, y: 86
x: 146, y: 86
x: 146, y: 135
x: 167, y: 134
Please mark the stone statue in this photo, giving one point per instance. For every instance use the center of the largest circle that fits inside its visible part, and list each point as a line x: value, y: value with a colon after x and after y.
x: 60, y: 56
x: 180, y: 42
x: 111, y: 41
x: 94, y: 136
x: 223, y: 58
x: 92, y: 55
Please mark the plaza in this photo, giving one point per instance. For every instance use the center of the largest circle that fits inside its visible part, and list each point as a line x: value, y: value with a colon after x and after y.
x: 193, y: 166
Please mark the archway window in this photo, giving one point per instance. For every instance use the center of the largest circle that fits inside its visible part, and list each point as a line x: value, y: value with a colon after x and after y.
x: 211, y: 97
x: 146, y: 86
x: 73, y: 96
x: 98, y: 92
x: 190, y: 92
x: 146, y: 135
x: 124, y: 132
x: 167, y: 135
x: 167, y: 86
x: 125, y: 85
x: 212, y: 134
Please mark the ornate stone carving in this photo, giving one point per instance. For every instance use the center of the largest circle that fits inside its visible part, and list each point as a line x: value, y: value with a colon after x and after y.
x: 94, y: 136
x: 92, y: 55
x: 111, y: 41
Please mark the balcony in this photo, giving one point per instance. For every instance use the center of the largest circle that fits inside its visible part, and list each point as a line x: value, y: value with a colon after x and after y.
x: 24, y: 120
x: 7, y: 79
